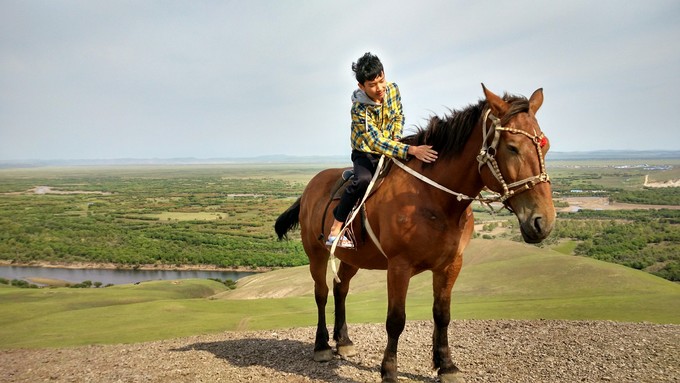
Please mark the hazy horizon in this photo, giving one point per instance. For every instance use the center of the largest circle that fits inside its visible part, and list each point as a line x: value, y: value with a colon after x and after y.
x: 613, y: 155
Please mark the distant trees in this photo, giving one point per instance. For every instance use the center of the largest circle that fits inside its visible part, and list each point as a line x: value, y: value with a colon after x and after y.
x: 643, y: 239
x: 18, y: 283
x: 124, y: 227
x: 650, y: 196
x: 27, y: 285
x: 230, y: 283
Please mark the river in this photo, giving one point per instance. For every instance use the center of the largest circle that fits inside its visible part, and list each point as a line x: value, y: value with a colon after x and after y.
x: 112, y: 276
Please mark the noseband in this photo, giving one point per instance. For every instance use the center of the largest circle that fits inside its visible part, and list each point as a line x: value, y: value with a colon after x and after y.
x: 487, y: 156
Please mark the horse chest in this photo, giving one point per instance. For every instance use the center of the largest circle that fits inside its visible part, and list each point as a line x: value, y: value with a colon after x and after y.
x: 436, y: 221
x: 433, y: 220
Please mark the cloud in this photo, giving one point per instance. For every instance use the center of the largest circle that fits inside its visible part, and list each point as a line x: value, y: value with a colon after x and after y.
x: 208, y: 79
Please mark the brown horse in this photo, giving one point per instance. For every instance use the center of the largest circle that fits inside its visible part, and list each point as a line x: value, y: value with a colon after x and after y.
x: 496, y: 144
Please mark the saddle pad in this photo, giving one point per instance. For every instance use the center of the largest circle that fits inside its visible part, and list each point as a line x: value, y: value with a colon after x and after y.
x: 339, y: 187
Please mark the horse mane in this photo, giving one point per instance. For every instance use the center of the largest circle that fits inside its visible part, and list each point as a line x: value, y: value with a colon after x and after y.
x: 448, y: 134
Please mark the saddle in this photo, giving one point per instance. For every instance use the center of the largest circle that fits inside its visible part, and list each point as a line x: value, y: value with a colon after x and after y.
x: 347, y: 174
x: 341, y: 184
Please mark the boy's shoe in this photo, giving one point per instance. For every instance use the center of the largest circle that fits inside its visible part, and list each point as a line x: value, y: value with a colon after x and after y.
x: 343, y: 242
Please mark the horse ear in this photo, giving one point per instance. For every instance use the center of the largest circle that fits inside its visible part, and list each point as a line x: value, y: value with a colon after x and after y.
x: 536, y: 100
x: 498, y: 106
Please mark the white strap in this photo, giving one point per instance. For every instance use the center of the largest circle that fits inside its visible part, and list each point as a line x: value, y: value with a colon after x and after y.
x: 351, y: 219
x: 421, y: 177
x: 371, y: 234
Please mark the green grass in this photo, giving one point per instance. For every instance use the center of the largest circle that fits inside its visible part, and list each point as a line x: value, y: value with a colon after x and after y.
x: 125, y: 313
x: 500, y: 279
x: 565, y: 247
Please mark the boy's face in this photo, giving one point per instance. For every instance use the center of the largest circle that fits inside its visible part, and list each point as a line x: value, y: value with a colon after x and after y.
x: 375, y: 89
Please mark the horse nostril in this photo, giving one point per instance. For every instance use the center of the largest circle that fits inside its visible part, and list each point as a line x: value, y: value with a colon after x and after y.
x: 537, y: 225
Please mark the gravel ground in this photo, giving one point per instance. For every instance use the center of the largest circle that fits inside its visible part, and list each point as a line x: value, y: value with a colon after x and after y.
x: 486, y: 351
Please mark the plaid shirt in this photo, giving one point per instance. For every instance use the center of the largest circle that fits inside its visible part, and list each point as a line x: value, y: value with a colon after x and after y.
x: 376, y: 128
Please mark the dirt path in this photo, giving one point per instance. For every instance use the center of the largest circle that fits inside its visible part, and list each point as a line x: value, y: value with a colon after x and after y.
x: 487, y: 351
x: 602, y: 203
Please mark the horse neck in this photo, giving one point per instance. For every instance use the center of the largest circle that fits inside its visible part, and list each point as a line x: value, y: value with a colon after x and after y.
x: 460, y: 171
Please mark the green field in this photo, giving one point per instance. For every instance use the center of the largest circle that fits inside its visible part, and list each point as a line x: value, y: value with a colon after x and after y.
x: 163, y: 215
x: 500, y: 279
x: 223, y: 215
x: 617, y: 174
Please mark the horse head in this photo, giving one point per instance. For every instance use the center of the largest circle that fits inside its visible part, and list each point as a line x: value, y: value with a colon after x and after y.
x: 512, y: 161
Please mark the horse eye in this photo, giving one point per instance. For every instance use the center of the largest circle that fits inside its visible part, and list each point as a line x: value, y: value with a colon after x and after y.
x: 513, y: 149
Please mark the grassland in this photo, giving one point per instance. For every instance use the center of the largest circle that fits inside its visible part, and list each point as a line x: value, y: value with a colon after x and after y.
x: 515, y: 281
x: 222, y: 215
x: 163, y: 215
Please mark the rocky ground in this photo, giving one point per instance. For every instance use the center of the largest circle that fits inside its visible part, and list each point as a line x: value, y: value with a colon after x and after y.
x: 486, y: 351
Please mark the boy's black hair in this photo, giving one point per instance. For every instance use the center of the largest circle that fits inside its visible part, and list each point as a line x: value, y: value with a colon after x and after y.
x: 367, y: 68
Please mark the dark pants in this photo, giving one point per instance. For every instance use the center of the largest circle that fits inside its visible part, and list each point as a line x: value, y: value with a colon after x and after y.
x: 365, y: 165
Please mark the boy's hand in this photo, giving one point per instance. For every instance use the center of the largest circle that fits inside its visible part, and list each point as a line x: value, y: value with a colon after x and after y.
x: 423, y: 153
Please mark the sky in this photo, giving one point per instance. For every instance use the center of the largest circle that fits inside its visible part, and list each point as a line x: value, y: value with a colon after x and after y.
x: 220, y: 79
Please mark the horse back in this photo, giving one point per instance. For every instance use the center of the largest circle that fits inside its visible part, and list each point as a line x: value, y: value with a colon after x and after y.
x: 316, y: 218
x: 315, y: 201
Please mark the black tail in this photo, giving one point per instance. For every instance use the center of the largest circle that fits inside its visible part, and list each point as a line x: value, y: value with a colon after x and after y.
x: 288, y: 220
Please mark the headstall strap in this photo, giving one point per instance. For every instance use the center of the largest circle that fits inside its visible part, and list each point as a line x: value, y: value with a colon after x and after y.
x: 487, y: 156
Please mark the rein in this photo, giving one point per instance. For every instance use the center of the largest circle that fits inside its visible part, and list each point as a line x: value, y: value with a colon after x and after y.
x: 487, y: 156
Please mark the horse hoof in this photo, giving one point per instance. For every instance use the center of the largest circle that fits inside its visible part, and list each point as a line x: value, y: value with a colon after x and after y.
x: 347, y: 351
x: 451, y: 378
x: 323, y: 355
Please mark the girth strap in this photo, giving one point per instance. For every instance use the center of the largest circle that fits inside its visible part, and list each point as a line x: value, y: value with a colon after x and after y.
x: 371, y: 234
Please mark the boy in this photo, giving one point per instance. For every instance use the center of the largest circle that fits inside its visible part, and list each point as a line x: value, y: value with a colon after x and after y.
x: 377, y: 123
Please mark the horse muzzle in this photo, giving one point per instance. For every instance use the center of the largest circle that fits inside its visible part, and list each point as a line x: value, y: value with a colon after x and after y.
x: 536, y: 227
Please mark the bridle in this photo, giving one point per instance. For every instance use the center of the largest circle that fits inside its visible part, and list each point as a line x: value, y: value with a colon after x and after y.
x: 487, y: 156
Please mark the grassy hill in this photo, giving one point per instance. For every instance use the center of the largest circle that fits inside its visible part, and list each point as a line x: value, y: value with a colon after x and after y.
x: 499, y: 280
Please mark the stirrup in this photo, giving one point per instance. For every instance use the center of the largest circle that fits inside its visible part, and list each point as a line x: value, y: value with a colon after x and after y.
x: 343, y: 242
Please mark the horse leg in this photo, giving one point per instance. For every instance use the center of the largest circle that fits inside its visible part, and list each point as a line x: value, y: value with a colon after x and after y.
x: 322, y: 350
x: 397, y: 286
x: 442, y: 283
x: 340, y: 335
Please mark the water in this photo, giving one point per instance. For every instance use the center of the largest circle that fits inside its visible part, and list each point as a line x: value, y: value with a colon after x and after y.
x: 116, y: 277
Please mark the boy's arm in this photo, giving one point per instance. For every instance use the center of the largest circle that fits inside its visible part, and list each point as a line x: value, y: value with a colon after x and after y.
x: 421, y: 152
